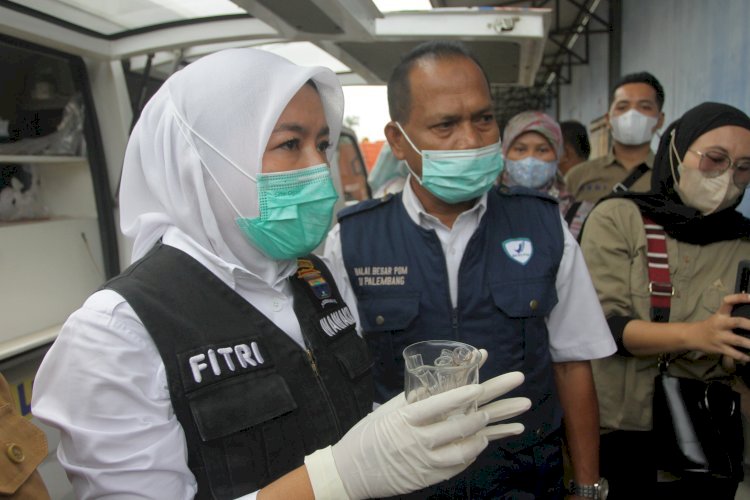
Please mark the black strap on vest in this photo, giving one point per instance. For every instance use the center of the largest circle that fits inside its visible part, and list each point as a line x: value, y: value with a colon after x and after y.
x: 631, y: 179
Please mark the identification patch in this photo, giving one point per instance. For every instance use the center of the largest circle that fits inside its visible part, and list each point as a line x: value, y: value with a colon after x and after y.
x: 337, y: 321
x: 314, y: 279
x: 381, y: 275
x: 519, y: 249
x: 214, y: 362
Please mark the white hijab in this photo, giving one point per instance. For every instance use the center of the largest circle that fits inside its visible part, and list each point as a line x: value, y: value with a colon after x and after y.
x: 219, y: 109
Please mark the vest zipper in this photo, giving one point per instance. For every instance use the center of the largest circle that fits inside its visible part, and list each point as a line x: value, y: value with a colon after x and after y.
x: 454, y: 322
x: 323, y: 389
x: 313, y: 364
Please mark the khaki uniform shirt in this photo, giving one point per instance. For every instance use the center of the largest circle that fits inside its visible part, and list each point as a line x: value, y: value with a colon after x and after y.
x: 23, y: 446
x: 594, y: 179
x: 614, y: 246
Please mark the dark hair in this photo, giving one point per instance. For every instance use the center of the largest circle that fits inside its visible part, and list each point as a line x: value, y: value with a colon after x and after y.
x: 575, y: 134
x: 399, y: 87
x: 642, y: 77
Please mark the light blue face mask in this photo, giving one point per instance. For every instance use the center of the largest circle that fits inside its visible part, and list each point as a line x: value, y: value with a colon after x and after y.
x: 530, y: 172
x: 458, y: 175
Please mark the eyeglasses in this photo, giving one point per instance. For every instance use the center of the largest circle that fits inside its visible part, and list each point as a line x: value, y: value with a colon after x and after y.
x: 714, y: 163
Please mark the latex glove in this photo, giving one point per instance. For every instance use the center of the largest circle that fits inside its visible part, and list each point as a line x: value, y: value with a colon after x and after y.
x: 400, y: 448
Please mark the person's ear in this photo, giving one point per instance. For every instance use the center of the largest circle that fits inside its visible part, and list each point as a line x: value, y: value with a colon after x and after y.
x: 606, y: 120
x: 660, y: 122
x: 566, y: 156
x: 396, y: 140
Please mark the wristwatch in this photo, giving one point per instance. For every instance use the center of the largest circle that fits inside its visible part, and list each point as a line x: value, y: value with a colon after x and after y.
x: 598, y: 490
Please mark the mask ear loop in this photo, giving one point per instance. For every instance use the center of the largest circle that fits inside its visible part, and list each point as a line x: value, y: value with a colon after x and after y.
x: 408, y: 140
x: 419, y: 179
x: 181, y: 123
x: 673, y: 149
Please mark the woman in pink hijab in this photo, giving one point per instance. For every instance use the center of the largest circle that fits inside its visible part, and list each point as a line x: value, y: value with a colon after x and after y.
x: 532, y: 146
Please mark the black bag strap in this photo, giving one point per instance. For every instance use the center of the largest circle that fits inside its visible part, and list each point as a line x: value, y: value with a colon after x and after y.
x: 628, y: 181
x: 570, y: 214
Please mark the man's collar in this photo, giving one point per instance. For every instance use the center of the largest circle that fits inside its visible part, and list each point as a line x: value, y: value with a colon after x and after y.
x: 611, y: 158
x: 420, y: 216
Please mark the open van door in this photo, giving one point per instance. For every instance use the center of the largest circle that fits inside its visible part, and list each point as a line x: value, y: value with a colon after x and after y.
x: 58, y: 239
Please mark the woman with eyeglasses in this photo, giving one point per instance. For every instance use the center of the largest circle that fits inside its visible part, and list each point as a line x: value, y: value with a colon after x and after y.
x: 664, y: 264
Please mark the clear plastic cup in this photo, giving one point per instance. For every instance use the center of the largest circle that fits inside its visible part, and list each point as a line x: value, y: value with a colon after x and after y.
x: 435, y: 366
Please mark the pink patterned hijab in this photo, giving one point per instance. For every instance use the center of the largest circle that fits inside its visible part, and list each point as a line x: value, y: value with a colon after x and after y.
x: 533, y: 121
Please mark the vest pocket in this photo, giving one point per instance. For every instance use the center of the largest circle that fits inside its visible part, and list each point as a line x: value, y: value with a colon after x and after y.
x: 351, y: 354
x: 384, y: 313
x: 525, y: 299
x: 385, y: 319
x: 222, y: 408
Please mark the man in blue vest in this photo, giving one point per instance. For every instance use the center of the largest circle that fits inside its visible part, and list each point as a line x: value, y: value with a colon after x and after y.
x: 454, y: 257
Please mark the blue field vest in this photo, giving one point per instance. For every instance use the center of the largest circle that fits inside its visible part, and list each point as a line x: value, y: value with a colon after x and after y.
x: 251, y: 401
x: 506, y: 287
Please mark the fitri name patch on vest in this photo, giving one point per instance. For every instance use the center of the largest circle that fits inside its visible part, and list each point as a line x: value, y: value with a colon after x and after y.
x: 215, y: 362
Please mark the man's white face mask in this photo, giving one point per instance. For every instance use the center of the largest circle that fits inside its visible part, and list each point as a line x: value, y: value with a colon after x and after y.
x: 633, y: 128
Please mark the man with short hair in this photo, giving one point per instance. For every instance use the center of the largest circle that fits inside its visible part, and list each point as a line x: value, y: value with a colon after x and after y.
x: 454, y: 257
x: 576, y: 145
x: 633, y: 117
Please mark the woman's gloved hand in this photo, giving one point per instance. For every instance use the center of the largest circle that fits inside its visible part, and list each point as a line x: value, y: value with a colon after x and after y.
x: 403, y: 447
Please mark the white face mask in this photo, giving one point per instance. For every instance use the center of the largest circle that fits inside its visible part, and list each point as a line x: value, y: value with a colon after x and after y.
x: 633, y: 128
x: 705, y: 194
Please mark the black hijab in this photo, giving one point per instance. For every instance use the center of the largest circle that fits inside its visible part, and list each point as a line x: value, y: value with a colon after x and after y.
x: 663, y: 205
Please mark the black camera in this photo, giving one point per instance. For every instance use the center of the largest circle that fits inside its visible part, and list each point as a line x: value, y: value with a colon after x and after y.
x: 742, y: 286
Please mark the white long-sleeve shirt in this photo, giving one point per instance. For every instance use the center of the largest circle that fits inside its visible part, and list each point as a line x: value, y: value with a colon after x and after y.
x: 577, y: 328
x: 104, y: 386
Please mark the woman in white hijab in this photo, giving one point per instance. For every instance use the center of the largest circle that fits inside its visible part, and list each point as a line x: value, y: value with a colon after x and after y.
x: 221, y: 360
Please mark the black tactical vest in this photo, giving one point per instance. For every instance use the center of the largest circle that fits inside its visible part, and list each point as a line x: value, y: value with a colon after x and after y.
x: 251, y: 402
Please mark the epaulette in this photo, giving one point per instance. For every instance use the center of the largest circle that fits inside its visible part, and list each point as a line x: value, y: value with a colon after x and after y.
x: 364, y: 206
x: 504, y: 190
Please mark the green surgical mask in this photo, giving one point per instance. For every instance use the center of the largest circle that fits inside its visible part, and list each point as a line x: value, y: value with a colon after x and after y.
x: 458, y: 175
x: 296, y: 209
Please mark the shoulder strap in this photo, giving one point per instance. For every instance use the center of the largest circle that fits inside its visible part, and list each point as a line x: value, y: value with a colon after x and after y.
x: 628, y: 182
x: 659, y: 284
x: 570, y: 214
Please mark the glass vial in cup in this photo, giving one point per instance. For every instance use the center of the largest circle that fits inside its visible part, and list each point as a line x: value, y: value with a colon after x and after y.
x: 435, y: 366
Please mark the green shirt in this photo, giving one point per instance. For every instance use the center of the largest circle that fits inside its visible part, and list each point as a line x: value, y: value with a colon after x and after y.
x: 594, y: 179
